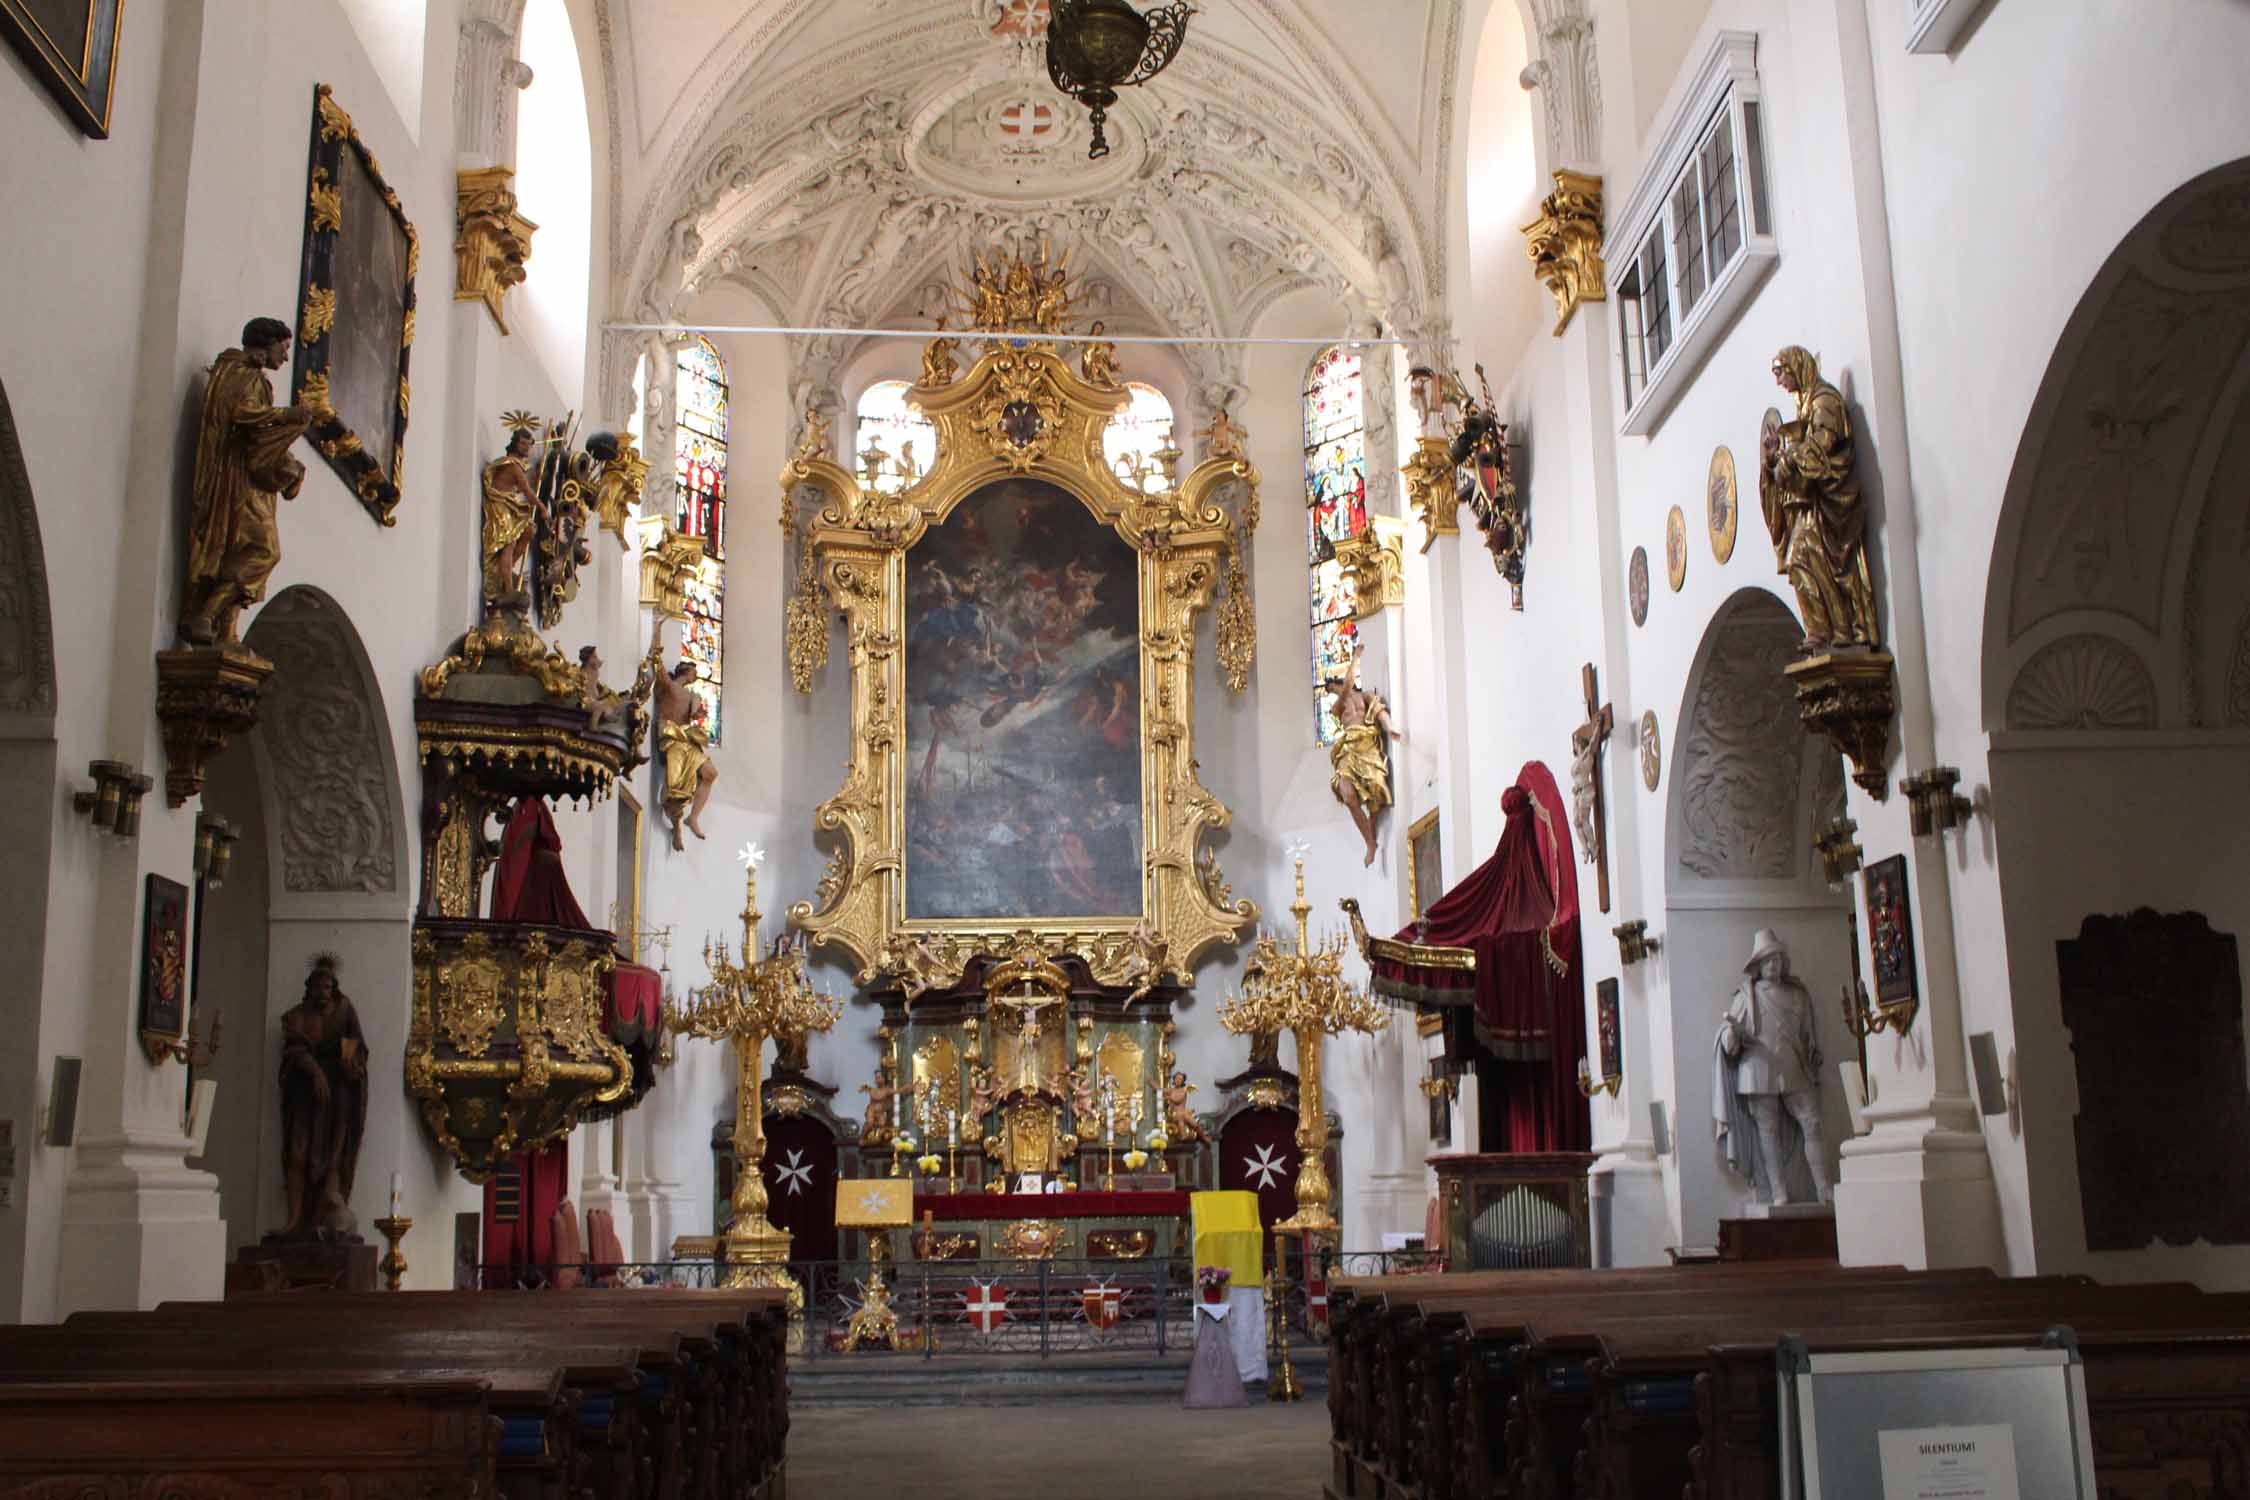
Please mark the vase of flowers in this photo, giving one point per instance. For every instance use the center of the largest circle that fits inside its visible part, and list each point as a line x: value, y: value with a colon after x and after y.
x: 1211, y: 1282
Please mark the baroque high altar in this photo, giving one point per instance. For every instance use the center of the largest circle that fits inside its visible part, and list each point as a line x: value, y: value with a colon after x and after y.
x: 1019, y: 861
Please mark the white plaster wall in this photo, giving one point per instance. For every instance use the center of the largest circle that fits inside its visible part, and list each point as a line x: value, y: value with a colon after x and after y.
x: 2144, y: 839
x: 1994, y: 246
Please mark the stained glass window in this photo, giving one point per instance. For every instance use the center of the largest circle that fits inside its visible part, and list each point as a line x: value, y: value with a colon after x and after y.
x: 1137, y: 435
x: 700, y: 453
x: 1335, y: 511
x: 907, y: 438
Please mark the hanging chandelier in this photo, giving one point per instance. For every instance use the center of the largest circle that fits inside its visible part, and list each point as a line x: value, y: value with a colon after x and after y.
x: 1096, y: 47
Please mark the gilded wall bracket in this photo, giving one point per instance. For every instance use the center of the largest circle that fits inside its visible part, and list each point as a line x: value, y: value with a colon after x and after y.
x: 205, y: 696
x: 1565, y: 245
x: 1376, y: 561
x: 491, y: 241
x: 1850, y: 697
x: 1432, y: 489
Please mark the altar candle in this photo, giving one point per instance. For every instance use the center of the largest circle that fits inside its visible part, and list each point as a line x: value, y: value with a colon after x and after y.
x: 394, y: 1195
x: 953, y: 1127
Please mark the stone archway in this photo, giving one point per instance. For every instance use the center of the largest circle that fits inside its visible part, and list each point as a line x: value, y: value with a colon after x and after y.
x: 1747, y: 788
x: 2116, y: 690
x: 28, y: 811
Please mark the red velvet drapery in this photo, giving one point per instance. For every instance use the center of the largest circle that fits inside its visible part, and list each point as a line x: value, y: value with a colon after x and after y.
x: 1518, y: 911
x: 529, y: 885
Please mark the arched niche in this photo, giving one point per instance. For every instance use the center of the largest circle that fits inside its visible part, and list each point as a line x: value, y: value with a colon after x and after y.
x: 2116, y: 687
x: 1746, y: 788
x: 28, y: 813
x: 320, y: 868
x: 326, y: 766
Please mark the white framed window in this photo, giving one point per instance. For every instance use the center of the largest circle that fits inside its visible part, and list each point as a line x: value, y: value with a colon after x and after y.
x: 1700, y: 230
x: 1934, y: 25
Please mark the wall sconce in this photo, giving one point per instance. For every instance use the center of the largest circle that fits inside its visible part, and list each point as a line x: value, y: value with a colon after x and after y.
x: 215, y: 839
x: 1589, y: 1085
x: 1634, y: 943
x: 1932, y: 805
x: 1840, y: 854
x: 115, y: 802
x: 1448, y: 1084
x: 1865, y: 1016
x: 185, y: 1049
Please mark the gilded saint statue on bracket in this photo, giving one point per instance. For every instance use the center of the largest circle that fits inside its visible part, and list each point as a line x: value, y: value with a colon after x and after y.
x: 242, y: 463
x: 511, y: 512
x: 1814, y: 509
x: 1360, y: 756
x: 686, y: 743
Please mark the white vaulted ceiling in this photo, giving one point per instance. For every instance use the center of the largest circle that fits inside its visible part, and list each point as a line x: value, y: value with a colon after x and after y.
x: 839, y: 157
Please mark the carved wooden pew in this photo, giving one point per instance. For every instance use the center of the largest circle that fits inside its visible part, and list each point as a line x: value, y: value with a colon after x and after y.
x: 538, y: 1392
x: 1398, y: 1349
x: 726, y: 1436
x: 336, y: 1433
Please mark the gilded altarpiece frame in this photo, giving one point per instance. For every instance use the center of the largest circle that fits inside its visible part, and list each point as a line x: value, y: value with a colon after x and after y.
x: 1022, y: 413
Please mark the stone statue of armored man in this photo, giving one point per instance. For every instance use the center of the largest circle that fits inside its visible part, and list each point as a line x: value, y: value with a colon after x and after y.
x: 1766, y: 1085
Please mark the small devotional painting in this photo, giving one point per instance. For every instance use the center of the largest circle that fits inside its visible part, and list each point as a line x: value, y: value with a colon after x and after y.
x: 1890, y: 928
x: 1636, y: 585
x: 1023, y: 713
x: 1675, y: 549
x: 1612, y: 1035
x: 1425, y: 877
x: 1720, y: 487
x: 163, y: 965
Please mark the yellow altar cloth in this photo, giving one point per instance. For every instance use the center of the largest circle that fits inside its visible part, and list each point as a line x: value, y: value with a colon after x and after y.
x: 1225, y: 1231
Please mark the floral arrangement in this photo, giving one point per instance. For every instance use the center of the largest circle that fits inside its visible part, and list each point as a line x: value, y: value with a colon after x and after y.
x: 1135, y: 1159
x: 1209, y: 1277
x: 1158, y: 1140
x: 931, y: 1164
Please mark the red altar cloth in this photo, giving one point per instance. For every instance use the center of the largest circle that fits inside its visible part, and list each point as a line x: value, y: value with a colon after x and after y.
x: 957, y: 1206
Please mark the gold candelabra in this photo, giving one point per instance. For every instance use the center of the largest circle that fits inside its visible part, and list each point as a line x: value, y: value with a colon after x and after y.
x: 747, y: 1002
x: 1304, y: 993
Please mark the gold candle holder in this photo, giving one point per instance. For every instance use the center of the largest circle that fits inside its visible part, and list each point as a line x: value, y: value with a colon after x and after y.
x: 393, y: 1264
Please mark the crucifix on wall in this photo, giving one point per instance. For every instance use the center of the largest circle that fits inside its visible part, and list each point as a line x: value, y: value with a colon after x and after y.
x: 1586, y: 809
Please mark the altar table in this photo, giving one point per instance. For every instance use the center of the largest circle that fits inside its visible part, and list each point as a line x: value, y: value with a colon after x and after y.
x: 1081, y: 1205
x: 1051, y: 1226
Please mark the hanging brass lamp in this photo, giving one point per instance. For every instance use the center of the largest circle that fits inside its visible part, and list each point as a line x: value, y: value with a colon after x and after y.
x: 1096, y: 47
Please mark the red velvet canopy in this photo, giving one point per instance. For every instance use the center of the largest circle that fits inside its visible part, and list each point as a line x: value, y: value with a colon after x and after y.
x: 1518, y: 912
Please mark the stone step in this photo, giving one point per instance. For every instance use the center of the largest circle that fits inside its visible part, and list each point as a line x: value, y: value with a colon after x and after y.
x: 877, y: 1380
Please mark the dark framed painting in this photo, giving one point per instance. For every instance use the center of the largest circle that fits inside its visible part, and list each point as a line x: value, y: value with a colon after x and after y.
x: 1441, y: 1105
x: 72, y: 46
x: 1612, y: 1035
x: 1890, y: 928
x: 1425, y: 870
x: 355, y: 311
x: 163, y: 966
x: 1023, y: 795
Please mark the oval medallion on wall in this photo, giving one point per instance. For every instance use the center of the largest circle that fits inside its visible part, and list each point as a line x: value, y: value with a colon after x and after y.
x: 1721, y: 495
x: 1675, y: 548
x: 1652, y: 752
x: 1636, y: 585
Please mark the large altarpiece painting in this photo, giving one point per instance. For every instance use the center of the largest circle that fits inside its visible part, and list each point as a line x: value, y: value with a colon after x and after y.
x: 1023, y: 712
x: 1021, y: 630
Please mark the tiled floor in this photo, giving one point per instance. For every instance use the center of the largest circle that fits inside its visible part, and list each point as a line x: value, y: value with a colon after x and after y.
x: 1082, y: 1452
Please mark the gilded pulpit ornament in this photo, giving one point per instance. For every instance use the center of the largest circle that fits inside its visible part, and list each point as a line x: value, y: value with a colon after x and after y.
x: 207, y: 691
x: 534, y: 521
x: 619, y: 480
x: 491, y: 240
x: 1818, y: 521
x: 1482, y: 452
x: 1565, y: 245
x: 1020, y: 631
